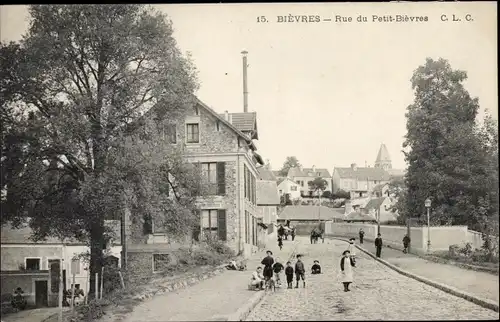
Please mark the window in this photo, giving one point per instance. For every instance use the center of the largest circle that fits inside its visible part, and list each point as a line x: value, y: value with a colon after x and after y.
x: 214, y: 223
x: 32, y: 264
x: 281, y: 191
x: 209, y: 222
x: 250, y: 184
x: 209, y: 171
x: 75, y: 266
x: 170, y: 133
x: 293, y: 188
x: 247, y: 227
x: 302, y: 183
x: 160, y: 262
x: 193, y: 133
x: 196, y: 111
x: 217, y: 126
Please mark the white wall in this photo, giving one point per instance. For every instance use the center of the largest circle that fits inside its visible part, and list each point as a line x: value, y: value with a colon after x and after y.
x: 441, y: 237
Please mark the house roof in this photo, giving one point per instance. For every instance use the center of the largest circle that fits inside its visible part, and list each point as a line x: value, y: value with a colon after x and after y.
x: 308, y: 172
x: 374, y: 203
x: 22, y: 235
x: 311, y: 213
x: 245, y: 122
x: 358, y: 216
x: 396, y: 172
x: 266, y: 174
x: 277, y: 174
x: 280, y: 180
x: 267, y: 193
x: 363, y: 173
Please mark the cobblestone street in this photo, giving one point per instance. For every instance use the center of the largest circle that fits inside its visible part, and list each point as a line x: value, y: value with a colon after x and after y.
x: 377, y: 293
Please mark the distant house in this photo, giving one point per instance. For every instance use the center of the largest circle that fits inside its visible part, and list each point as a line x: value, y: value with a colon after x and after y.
x: 359, y: 182
x: 268, y: 201
x: 288, y: 186
x: 27, y: 264
x: 381, y: 190
x: 308, y: 214
x: 303, y: 176
x: 380, y: 206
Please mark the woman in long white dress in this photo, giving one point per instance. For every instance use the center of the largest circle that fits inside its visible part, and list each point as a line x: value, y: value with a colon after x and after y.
x: 346, y: 272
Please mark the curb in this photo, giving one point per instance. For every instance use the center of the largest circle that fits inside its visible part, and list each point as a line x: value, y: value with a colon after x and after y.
x: 242, y: 313
x: 448, y: 289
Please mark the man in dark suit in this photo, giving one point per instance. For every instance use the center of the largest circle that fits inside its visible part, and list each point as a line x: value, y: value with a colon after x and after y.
x: 378, y: 244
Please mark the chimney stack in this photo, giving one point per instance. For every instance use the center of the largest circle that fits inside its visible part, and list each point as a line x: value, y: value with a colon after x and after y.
x: 226, y: 115
x: 354, y: 167
x: 245, y: 85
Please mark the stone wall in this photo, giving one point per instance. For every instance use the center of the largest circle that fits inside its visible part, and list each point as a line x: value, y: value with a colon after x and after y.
x: 13, y: 256
x: 441, y: 237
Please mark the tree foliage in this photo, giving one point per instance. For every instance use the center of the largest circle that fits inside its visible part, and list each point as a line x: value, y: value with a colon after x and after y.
x: 74, y: 93
x: 318, y: 185
x: 341, y: 194
x: 290, y: 162
x: 451, y: 157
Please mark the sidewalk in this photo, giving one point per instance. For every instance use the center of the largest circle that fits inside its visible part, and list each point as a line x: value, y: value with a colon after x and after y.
x: 481, y: 284
x: 219, y: 296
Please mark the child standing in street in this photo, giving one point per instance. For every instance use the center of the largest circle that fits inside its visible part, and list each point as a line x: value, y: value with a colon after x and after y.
x: 289, y: 274
x: 300, y: 271
x: 280, y: 242
x: 346, y: 265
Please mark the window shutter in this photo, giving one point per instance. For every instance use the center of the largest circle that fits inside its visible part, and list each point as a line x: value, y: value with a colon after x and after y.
x: 222, y: 225
x: 221, y: 178
x: 196, y: 225
x: 147, y: 225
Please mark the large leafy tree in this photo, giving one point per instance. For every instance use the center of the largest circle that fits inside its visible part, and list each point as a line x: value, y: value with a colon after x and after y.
x: 71, y: 89
x: 318, y: 185
x: 290, y: 162
x: 446, y: 152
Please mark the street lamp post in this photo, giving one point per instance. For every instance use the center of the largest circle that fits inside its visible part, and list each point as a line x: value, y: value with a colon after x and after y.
x: 428, y: 206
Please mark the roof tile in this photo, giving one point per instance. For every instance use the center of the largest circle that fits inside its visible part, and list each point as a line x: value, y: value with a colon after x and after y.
x: 267, y: 193
x: 364, y: 173
x: 311, y: 213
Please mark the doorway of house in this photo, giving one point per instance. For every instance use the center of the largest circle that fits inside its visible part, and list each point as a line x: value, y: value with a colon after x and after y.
x: 41, y: 293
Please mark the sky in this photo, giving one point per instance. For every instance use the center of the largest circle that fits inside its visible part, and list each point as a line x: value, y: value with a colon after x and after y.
x: 329, y: 93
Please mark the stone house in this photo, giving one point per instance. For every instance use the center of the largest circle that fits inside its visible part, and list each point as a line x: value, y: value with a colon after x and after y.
x: 34, y: 266
x: 303, y: 176
x: 359, y: 182
x: 380, y: 208
x: 221, y: 146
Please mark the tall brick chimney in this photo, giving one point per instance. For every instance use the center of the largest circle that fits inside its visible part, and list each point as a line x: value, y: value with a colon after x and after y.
x: 245, y: 85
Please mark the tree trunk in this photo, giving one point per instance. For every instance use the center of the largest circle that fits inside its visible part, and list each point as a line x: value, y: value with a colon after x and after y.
x: 96, y: 258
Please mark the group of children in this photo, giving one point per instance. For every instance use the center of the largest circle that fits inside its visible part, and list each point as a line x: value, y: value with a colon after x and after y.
x: 272, y: 269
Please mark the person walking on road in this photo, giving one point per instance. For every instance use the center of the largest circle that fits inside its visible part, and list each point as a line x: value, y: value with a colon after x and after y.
x: 361, y: 235
x: 280, y: 242
x: 406, y: 243
x: 378, y: 244
x: 268, y: 262
x: 346, y: 265
x: 293, y: 233
x: 300, y: 271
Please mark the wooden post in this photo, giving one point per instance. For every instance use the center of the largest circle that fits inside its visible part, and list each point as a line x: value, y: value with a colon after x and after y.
x: 102, y: 282
x: 73, y: 292
x: 121, y: 279
x: 61, y: 289
x: 96, y: 292
x: 87, y: 282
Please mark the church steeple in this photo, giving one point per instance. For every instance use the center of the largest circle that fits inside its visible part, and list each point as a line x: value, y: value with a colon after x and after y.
x: 383, y: 159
